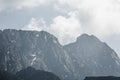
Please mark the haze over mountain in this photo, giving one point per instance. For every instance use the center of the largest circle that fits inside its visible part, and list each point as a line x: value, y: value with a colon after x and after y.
x: 88, y: 56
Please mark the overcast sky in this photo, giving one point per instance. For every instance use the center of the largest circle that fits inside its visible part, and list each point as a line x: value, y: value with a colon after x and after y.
x: 66, y: 19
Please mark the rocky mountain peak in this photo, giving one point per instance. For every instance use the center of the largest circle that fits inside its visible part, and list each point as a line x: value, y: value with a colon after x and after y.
x: 87, y: 38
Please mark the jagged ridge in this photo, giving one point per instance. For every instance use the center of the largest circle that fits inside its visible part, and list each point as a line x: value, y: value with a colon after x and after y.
x: 41, y: 50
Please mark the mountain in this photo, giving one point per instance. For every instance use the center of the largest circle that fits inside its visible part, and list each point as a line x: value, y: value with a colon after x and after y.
x: 87, y: 56
x: 41, y: 50
x: 93, y: 57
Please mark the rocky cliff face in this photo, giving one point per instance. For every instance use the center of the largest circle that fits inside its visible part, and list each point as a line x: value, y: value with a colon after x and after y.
x: 93, y: 57
x: 41, y: 50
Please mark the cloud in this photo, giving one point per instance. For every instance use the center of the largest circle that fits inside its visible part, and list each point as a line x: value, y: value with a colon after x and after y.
x: 66, y: 29
x: 98, y: 17
x: 36, y: 24
x: 19, y: 4
x: 104, y: 17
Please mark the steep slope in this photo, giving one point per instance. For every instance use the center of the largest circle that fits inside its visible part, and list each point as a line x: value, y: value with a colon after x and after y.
x: 93, y: 57
x: 88, y: 56
x: 41, y: 50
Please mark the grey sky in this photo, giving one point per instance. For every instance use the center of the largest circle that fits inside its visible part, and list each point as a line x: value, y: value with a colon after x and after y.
x: 18, y: 18
x: 66, y: 19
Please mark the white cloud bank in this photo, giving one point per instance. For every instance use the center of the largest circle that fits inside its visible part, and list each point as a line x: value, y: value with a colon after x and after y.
x: 65, y: 29
x: 36, y: 24
x: 105, y: 17
x: 98, y: 17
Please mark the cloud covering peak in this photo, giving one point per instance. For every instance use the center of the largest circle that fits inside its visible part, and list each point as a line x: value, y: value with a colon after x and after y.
x: 98, y: 17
